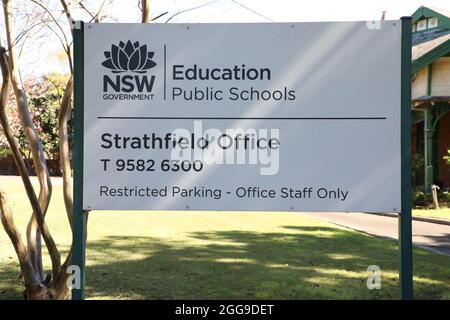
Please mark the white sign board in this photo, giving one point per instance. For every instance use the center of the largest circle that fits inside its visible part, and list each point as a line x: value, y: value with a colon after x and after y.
x: 270, y: 117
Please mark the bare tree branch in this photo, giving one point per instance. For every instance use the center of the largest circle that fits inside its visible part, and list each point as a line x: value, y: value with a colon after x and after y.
x: 26, y: 267
x: 6, y: 215
x: 64, y: 41
x: 145, y: 7
x: 81, y: 4
x: 99, y: 15
x: 30, y: 255
x: 64, y: 154
x: 39, y: 205
x: 68, y: 11
x: 190, y: 9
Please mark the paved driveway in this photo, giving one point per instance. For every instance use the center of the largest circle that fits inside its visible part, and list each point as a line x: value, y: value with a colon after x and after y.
x: 431, y: 236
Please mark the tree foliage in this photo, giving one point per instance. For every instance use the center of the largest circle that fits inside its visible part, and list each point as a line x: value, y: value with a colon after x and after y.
x: 44, y: 98
x: 447, y: 157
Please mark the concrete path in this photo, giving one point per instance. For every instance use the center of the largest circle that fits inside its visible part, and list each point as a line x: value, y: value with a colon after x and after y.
x: 430, y: 236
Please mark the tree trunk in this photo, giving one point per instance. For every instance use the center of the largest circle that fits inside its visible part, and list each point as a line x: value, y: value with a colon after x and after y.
x: 64, y: 154
x: 145, y: 4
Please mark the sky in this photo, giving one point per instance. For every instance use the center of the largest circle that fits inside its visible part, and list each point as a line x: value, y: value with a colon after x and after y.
x: 213, y: 11
x: 290, y: 10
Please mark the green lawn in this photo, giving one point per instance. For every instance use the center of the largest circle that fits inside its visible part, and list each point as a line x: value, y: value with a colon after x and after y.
x: 442, y: 213
x: 217, y: 255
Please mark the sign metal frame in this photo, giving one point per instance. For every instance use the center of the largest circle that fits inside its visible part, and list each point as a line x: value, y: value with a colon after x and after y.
x: 80, y: 216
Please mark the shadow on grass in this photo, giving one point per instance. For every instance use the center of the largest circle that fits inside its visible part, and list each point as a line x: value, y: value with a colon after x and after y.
x: 301, y: 263
x: 10, y: 281
x: 306, y: 263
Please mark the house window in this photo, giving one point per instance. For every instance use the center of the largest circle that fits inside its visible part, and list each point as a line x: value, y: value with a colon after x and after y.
x: 414, y: 28
x: 421, y: 25
x: 432, y: 23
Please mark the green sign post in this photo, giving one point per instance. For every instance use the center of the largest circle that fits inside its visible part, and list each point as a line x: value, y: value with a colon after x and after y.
x: 404, y: 220
x: 79, y: 215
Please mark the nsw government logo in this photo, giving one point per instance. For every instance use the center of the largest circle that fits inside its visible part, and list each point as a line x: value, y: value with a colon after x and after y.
x: 129, y: 64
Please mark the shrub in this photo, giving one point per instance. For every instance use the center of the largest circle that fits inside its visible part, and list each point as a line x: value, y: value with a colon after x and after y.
x: 4, y: 152
x: 417, y: 163
x: 447, y: 157
x: 419, y: 198
x: 444, y: 196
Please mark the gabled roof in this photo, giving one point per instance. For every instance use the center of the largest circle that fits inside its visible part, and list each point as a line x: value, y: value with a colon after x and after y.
x: 424, y: 13
x: 427, y: 12
x: 429, y: 45
x: 422, y: 49
x: 427, y: 52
